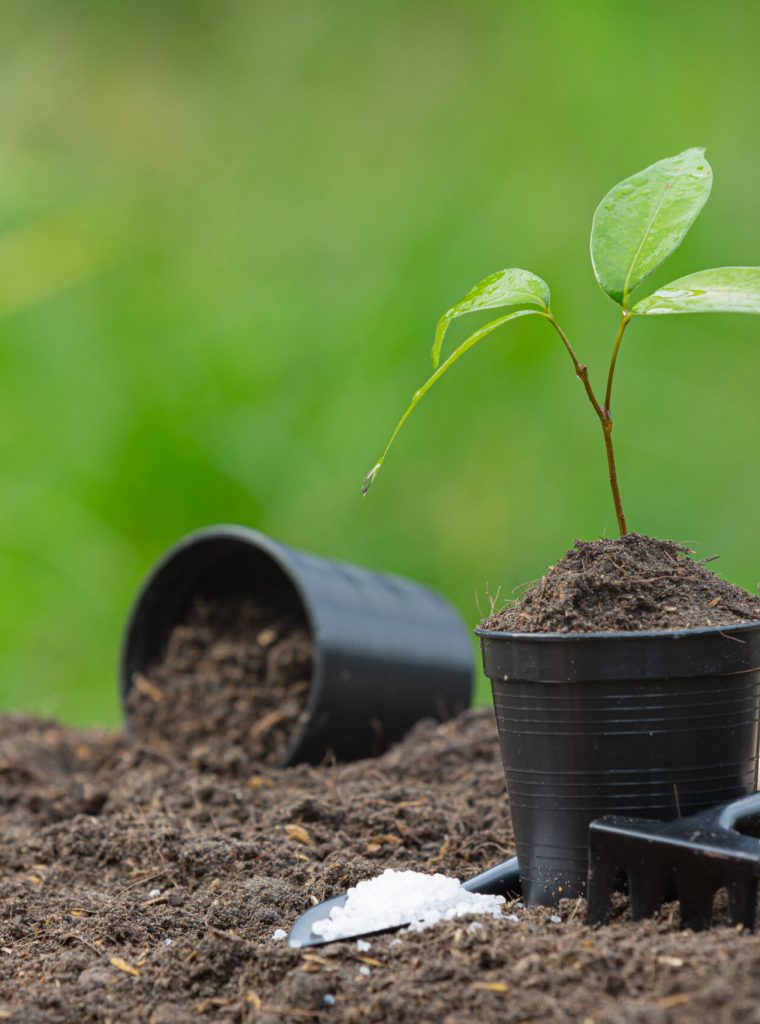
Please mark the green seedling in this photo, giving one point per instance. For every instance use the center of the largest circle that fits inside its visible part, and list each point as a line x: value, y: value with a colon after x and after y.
x: 637, y: 225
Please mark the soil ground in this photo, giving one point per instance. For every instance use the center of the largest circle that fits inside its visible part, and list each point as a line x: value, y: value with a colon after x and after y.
x: 630, y: 583
x: 137, y: 886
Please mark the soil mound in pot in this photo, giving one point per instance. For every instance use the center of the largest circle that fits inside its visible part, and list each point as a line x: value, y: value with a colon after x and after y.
x: 630, y: 583
x: 232, y: 686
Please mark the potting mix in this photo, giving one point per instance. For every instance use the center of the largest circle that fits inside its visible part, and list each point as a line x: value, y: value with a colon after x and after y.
x: 151, y: 879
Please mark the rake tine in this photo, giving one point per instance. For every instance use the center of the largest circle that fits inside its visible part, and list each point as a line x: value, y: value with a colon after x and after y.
x: 742, y: 901
x: 696, y: 900
x: 602, y: 881
x: 647, y: 893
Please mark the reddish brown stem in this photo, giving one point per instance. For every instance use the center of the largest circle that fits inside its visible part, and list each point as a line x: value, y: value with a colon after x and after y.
x: 624, y: 321
x: 603, y: 413
x: 607, y: 428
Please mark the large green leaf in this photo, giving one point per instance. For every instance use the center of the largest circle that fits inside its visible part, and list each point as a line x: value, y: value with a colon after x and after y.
x: 420, y: 393
x: 641, y: 221
x: 505, y: 288
x: 723, y: 290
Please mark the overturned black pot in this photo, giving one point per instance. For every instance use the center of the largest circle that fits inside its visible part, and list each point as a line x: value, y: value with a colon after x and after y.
x: 387, y: 651
x: 658, y: 724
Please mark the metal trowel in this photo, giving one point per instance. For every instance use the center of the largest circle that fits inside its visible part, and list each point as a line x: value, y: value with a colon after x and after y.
x: 502, y: 880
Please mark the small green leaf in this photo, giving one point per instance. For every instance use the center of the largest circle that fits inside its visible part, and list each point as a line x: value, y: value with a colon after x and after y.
x: 513, y: 287
x: 641, y: 221
x: 420, y: 393
x: 722, y: 290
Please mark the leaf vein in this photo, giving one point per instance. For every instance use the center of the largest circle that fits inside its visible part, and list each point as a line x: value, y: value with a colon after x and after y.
x: 644, y: 237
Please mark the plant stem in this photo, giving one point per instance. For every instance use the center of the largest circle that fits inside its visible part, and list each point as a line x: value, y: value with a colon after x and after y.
x: 607, y: 428
x: 603, y: 413
x: 625, y: 319
x: 581, y: 369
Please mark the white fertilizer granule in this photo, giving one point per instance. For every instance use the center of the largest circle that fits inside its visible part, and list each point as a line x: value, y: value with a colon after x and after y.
x: 398, y: 898
x: 278, y: 934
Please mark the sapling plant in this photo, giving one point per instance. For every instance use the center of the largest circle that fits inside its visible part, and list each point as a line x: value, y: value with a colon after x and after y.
x: 637, y: 225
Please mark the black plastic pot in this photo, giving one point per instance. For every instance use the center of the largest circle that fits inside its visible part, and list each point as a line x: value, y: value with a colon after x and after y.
x: 387, y: 651
x: 658, y: 724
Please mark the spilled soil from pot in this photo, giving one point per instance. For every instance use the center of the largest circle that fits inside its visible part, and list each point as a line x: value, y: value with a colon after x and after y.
x: 630, y: 583
x: 232, y: 686
x: 138, y: 886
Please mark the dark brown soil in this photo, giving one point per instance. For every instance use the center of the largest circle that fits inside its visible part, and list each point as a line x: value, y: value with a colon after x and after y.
x: 631, y: 583
x: 231, y: 689
x: 138, y: 887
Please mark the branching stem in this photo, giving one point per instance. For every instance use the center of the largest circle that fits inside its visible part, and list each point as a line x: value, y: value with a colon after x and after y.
x: 602, y: 412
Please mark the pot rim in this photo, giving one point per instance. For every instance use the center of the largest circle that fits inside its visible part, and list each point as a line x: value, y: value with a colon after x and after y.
x: 280, y: 557
x: 612, y: 635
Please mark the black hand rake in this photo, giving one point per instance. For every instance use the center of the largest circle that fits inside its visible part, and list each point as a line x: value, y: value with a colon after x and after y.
x: 692, y: 857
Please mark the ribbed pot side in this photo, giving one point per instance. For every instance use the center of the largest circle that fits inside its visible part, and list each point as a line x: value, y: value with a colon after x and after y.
x: 656, y: 725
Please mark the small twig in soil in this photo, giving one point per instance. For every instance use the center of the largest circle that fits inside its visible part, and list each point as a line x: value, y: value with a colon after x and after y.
x: 231, y: 936
x: 678, y: 802
x: 737, y: 639
x: 78, y: 938
x: 154, y: 901
x: 140, y: 881
x: 528, y: 583
x: 576, y: 908
x: 384, y: 781
x: 488, y: 843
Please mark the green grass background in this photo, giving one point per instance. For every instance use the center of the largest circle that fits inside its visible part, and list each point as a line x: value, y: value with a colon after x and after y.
x: 226, y: 232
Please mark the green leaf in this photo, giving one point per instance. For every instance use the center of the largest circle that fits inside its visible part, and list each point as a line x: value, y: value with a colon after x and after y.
x: 641, y: 221
x: 513, y: 287
x: 420, y: 393
x: 722, y: 290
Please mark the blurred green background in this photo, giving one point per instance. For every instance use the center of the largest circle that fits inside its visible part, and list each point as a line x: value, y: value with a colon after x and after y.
x: 226, y: 232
